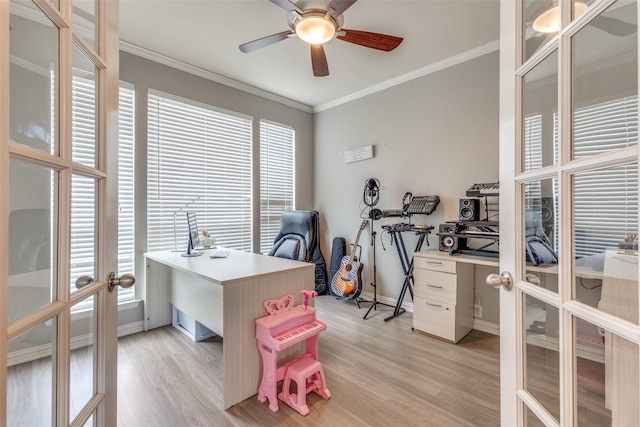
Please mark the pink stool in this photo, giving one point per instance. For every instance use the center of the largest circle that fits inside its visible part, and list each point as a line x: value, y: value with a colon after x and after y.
x: 309, y: 376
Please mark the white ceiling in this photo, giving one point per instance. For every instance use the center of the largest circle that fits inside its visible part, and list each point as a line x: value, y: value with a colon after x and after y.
x: 206, y: 34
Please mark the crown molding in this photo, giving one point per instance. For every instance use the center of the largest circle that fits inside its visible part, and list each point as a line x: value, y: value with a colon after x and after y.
x: 200, y: 72
x: 429, y: 69
x: 421, y: 72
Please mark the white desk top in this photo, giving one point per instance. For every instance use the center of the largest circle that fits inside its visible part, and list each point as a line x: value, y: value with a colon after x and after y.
x: 471, y: 259
x: 237, y: 266
x: 580, y: 271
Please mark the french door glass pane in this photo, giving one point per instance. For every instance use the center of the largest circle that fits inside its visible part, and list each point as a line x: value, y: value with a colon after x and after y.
x: 83, y: 356
x: 542, y: 22
x: 605, y: 82
x: 83, y: 228
x: 607, y: 377
x: 590, y: 375
x: 531, y: 420
x: 31, y: 376
x: 33, y: 78
x: 541, y: 230
x: 542, y: 374
x: 84, y: 20
x: 83, y: 109
x: 605, y: 226
x: 540, y: 100
x: 32, y: 238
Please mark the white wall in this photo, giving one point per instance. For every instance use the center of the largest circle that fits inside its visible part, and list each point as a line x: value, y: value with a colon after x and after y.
x: 434, y: 135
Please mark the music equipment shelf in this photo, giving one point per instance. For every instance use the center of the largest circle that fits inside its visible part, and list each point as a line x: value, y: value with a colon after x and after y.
x: 464, y: 230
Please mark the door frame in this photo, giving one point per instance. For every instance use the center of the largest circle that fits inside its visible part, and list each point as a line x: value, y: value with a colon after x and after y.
x: 106, y: 57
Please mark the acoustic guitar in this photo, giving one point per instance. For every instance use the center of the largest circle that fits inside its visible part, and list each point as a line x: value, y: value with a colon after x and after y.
x: 347, y: 282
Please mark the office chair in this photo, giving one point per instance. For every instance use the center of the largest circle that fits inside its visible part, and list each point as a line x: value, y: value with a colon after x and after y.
x: 298, y: 236
x: 538, y: 245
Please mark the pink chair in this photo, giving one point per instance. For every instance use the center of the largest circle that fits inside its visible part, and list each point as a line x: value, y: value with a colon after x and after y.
x: 309, y: 376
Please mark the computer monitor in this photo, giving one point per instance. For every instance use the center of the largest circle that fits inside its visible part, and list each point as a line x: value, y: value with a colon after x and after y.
x: 192, y: 226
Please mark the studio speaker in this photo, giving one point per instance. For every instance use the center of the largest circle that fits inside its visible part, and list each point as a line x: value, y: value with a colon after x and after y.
x: 452, y: 243
x: 548, y: 210
x: 469, y: 210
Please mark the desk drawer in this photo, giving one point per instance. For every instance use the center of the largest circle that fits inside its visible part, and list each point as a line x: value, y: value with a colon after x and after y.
x: 435, y: 285
x: 434, y: 264
x: 435, y: 318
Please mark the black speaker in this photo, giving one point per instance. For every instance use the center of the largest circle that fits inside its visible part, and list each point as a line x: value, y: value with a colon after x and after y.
x: 469, y: 210
x: 452, y: 243
x: 547, y: 208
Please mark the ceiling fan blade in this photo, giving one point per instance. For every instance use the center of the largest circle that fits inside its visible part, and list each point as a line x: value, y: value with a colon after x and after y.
x: 265, y: 41
x: 337, y: 7
x: 287, y: 5
x: 614, y: 26
x: 533, y: 44
x: 319, y: 61
x: 373, y: 40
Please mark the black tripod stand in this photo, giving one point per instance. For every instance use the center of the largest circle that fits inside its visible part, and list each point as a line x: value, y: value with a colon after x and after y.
x: 374, y: 302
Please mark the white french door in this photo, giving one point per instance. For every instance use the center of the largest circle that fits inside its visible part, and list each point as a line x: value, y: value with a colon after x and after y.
x: 569, y: 213
x: 58, y: 332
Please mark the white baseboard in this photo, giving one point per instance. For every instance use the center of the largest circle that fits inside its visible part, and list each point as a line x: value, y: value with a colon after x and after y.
x: 490, y: 328
x: 36, y: 352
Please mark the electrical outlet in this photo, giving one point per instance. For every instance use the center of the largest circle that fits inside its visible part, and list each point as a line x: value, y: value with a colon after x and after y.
x: 477, y: 311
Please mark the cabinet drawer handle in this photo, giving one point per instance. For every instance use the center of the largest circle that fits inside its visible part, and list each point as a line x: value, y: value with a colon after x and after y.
x: 433, y: 305
x: 435, y: 262
x: 434, y: 286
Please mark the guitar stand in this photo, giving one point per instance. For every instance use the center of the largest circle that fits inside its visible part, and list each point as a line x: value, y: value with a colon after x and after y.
x: 374, y: 302
x: 407, y: 264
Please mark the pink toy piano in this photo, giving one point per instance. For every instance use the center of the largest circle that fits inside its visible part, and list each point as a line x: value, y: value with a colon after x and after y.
x: 287, y: 325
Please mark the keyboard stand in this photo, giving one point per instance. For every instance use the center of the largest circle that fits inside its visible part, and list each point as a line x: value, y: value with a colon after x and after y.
x: 405, y: 261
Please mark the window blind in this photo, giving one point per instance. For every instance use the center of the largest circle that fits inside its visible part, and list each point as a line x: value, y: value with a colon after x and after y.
x: 198, y: 159
x: 126, y: 175
x: 83, y: 190
x: 533, y: 160
x: 277, y: 175
x: 606, y: 200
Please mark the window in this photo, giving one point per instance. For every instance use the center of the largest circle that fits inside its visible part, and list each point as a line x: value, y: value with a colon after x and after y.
x: 84, y: 191
x: 198, y: 159
x: 277, y: 175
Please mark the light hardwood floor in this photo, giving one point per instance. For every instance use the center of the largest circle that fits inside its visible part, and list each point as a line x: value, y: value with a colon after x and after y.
x: 379, y: 374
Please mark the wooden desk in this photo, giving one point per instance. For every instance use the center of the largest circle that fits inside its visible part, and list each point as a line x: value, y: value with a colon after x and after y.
x: 225, y: 295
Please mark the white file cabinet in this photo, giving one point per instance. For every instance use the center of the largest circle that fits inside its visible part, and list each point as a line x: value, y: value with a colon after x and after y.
x: 443, y: 296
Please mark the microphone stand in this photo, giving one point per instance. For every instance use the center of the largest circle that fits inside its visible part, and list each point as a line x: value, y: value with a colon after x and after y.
x: 374, y: 302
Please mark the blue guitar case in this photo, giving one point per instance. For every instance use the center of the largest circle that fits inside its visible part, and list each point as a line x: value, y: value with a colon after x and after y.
x: 338, y: 251
x: 322, y: 281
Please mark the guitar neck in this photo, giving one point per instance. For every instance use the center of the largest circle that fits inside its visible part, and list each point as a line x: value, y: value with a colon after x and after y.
x: 355, y: 245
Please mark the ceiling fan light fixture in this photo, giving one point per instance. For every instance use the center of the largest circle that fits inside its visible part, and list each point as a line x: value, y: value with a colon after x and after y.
x: 315, y: 29
x: 549, y: 21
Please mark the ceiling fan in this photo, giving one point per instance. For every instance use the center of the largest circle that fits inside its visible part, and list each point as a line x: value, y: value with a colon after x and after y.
x: 317, y: 26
